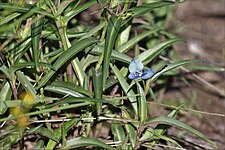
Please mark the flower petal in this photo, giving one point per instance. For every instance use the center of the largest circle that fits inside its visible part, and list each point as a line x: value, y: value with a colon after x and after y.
x: 147, y: 74
x: 135, y: 66
x: 133, y: 76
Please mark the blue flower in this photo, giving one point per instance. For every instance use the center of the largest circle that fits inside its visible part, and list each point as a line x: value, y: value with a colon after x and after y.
x: 136, y: 69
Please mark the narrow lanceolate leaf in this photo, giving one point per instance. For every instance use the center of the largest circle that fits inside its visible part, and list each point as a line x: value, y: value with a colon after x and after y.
x: 126, y: 87
x: 84, y: 141
x: 40, y: 144
x: 115, y: 54
x: 66, y: 56
x: 67, y: 125
x: 31, y: 9
x: 19, y: 66
x: 160, y: 129
x: 112, y: 32
x: 63, y: 90
x: 130, y: 130
x: 9, y: 18
x: 172, y: 121
x: 145, y: 8
x: 150, y: 54
x: 36, y: 34
x: 64, y: 87
x: 5, y: 94
x: 66, y: 6
x: 142, y: 105
x: 173, y: 66
x: 79, y: 9
x: 98, y: 88
x: 45, y: 132
x: 26, y: 84
x: 94, y: 30
x: 132, y: 42
x: 6, y: 72
x: 118, y: 131
x: 132, y: 134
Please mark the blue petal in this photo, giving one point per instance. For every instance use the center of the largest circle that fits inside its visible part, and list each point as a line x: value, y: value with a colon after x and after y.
x: 135, y: 66
x: 147, y: 74
x: 133, y: 76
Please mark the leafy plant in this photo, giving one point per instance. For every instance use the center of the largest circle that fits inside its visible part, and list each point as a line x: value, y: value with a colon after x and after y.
x: 77, y: 74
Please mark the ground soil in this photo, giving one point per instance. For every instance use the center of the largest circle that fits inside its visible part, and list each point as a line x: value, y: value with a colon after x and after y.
x: 202, y: 24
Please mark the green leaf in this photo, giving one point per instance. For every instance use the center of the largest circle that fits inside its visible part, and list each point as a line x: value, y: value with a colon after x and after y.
x: 110, y: 82
x: 25, y: 9
x: 98, y: 88
x: 142, y: 104
x: 66, y: 6
x: 84, y: 141
x: 173, y: 66
x: 45, y: 132
x: 5, y: 94
x: 66, y: 56
x: 150, y: 54
x: 112, y: 32
x: 26, y: 84
x: 79, y: 9
x: 40, y: 144
x: 94, y: 30
x: 118, y: 131
x: 132, y: 134
x: 72, y: 106
x: 206, y: 68
x: 72, y: 100
x: 9, y: 18
x: 145, y: 8
x: 67, y: 125
x: 132, y: 42
x: 123, y: 37
x: 69, y: 88
x: 125, y: 87
x: 36, y: 28
x: 160, y: 129
x: 172, y: 121
x: 19, y: 66
x: 115, y: 54
x: 6, y: 72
